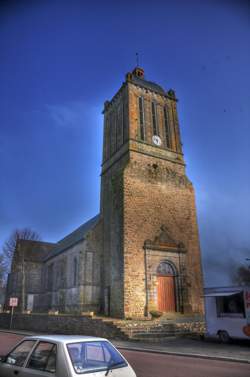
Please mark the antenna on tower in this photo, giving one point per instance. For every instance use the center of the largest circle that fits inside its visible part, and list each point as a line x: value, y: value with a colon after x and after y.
x: 137, y: 59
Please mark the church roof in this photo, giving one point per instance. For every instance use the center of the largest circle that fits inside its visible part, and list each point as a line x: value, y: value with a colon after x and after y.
x: 35, y: 251
x: 73, y: 238
x: 148, y: 84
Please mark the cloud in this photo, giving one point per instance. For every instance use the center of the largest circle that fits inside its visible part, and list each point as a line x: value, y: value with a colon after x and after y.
x: 71, y: 114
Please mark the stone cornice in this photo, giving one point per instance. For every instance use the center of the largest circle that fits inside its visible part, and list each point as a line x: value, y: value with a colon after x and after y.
x: 137, y: 146
x: 154, y: 151
x: 152, y: 91
x: 150, y: 246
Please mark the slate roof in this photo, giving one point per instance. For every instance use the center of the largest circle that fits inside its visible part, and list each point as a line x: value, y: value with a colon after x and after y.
x: 73, y: 238
x: 35, y: 251
x: 148, y: 85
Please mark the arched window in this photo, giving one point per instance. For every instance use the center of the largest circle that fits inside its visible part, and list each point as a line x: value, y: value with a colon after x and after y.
x: 75, y: 273
x: 165, y: 269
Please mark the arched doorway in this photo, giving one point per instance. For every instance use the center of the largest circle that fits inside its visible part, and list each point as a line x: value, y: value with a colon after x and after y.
x: 166, y: 287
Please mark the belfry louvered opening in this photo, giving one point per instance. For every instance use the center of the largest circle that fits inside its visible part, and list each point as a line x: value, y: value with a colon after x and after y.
x: 141, y: 118
x: 154, y: 120
x: 167, y: 128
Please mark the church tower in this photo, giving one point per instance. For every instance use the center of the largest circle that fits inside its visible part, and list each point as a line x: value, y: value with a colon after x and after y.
x: 151, y: 254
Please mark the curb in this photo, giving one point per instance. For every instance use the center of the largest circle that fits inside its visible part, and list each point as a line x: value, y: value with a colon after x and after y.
x: 182, y: 354
x: 17, y: 332
x: 157, y: 351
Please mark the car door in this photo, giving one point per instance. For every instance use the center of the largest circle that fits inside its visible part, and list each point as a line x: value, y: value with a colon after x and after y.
x: 16, y: 359
x: 94, y: 355
x: 42, y: 361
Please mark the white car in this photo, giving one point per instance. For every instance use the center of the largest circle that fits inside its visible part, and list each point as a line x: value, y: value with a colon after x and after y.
x: 64, y: 356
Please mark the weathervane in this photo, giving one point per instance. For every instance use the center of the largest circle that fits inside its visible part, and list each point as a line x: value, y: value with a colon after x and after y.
x: 137, y: 59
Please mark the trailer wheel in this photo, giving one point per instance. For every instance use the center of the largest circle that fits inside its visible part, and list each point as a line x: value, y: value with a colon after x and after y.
x: 224, y: 336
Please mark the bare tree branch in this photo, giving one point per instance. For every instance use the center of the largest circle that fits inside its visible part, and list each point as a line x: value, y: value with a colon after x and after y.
x: 2, y: 271
x: 10, y: 246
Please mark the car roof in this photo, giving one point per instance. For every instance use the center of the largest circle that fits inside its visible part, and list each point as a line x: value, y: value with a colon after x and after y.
x: 65, y: 338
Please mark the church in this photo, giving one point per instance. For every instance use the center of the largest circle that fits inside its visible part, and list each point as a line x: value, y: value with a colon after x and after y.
x: 142, y: 252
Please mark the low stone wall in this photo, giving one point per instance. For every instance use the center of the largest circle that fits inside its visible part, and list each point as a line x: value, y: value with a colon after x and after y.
x: 62, y: 324
x: 196, y: 327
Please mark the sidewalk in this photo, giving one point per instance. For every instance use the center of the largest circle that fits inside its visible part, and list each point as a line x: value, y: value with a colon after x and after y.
x: 208, y: 349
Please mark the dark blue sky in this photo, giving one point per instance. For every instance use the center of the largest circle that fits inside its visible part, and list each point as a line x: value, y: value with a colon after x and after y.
x: 60, y: 60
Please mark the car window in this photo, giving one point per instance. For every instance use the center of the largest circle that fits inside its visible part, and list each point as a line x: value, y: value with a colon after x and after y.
x: 94, y: 356
x: 19, y: 354
x: 51, y: 364
x: 43, y: 357
x: 94, y: 352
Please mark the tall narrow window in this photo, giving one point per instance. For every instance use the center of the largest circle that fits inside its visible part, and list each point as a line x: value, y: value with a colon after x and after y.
x: 167, y: 128
x: 75, y: 272
x: 124, y: 122
x: 115, y: 130
x: 154, y: 119
x: 141, y: 118
x: 108, y: 136
x: 50, y: 277
x: 112, y: 134
x: 119, y: 126
x: 107, y: 139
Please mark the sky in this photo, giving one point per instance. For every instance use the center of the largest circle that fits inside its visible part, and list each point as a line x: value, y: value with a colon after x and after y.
x: 59, y: 62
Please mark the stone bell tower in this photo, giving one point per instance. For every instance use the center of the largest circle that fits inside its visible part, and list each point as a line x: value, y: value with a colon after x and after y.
x: 151, y: 253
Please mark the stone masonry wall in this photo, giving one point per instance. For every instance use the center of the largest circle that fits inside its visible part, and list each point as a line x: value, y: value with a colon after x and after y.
x: 156, y: 193
x: 65, y: 291
x: 115, y: 157
x: 32, y: 279
x: 112, y: 212
x: 61, y: 324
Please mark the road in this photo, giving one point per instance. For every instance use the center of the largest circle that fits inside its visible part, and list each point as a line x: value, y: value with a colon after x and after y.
x: 157, y: 365
x: 148, y: 364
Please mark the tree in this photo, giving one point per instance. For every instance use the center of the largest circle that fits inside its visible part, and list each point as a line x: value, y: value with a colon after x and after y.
x: 242, y: 276
x: 2, y: 271
x: 9, y: 248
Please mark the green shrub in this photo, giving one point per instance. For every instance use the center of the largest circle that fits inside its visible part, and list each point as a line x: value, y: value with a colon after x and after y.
x: 155, y: 313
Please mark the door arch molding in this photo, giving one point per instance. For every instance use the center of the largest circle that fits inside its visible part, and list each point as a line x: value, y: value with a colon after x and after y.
x: 165, y: 264
x: 167, y: 289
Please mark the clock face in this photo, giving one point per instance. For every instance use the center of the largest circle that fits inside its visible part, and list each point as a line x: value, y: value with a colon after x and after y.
x: 156, y: 140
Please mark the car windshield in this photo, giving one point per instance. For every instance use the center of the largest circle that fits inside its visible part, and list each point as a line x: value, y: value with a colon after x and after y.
x: 94, y: 356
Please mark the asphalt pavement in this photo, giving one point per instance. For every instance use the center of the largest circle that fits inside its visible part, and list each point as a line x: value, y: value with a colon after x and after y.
x: 206, y: 349
x: 172, y: 359
x: 159, y: 365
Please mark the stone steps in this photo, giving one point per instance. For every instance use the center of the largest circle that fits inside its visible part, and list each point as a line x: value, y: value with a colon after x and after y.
x: 149, y: 330
x: 153, y: 339
x: 153, y: 334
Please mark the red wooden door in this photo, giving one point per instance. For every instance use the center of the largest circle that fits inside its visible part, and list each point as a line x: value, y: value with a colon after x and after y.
x: 166, y: 294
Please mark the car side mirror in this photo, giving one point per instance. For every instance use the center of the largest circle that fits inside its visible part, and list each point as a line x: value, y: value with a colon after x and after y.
x: 2, y: 359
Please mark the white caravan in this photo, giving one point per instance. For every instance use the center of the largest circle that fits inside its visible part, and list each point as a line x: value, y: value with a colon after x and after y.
x: 227, y: 312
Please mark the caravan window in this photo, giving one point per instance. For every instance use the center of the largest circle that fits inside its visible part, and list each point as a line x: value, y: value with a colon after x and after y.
x: 230, y: 306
